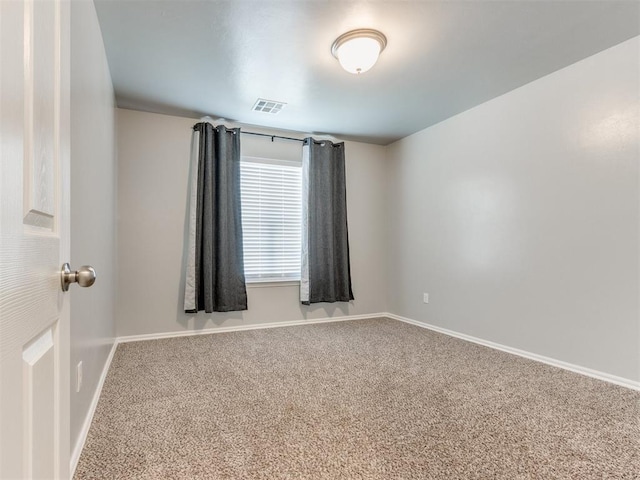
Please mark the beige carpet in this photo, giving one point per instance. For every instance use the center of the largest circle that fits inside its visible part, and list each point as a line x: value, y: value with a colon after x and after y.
x: 370, y: 399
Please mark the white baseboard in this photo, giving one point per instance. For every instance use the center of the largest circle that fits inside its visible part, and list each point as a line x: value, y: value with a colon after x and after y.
x: 77, y: 450
x: 240, y: 328
x: 624, y: 382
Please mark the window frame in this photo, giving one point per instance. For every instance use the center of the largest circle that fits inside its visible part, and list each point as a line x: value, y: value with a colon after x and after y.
x: 253, y: 282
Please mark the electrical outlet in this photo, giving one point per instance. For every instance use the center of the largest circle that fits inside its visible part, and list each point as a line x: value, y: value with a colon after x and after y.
x: 78, y: 377
x: 425, y: 297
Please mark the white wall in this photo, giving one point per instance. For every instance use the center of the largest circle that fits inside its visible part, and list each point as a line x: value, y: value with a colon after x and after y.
x: 153, y: 165
x: 93, y: 206
x: 520, y: 217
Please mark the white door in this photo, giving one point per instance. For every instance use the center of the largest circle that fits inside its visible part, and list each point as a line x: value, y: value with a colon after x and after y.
x: 34, y: 239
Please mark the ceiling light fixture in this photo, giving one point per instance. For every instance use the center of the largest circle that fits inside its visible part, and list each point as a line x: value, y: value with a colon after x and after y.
x: 358, y: 50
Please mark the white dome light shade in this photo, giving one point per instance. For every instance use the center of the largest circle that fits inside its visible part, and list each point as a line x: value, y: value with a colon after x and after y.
x: 358, y: 50
x: 358, y: 55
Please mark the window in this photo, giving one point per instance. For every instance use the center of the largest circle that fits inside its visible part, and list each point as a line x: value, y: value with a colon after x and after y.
x: 271, y: 218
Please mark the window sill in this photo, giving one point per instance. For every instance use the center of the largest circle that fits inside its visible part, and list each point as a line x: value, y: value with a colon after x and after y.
x: 272, y: 283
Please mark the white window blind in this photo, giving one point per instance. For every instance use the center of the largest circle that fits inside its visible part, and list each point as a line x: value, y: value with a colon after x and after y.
x: 271, y: 218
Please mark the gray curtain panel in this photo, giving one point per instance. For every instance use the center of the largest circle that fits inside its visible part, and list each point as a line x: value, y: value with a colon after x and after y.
x: 326, y: 273
x: 215, y: 268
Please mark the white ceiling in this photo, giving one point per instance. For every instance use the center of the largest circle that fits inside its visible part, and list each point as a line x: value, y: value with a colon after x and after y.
x: 194, y: 58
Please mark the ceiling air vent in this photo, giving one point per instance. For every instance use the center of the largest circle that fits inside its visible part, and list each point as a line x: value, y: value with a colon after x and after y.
x: 268, y: 106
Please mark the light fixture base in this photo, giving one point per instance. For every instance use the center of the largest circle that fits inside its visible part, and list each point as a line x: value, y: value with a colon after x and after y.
x: 358, y: 33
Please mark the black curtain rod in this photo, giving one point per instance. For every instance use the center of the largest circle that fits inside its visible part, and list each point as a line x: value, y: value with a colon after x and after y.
x: 272, y: 136
x: 269, y: 136
x: 301, y: 140
x: 281, y: 137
